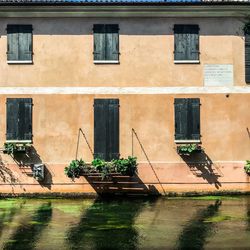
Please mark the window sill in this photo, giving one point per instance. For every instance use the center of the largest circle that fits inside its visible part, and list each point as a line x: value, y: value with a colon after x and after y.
x: 186, y: 61
x: 19, y: 141
x: 186, y: 141
x: 106, y: 62
x: 20, y: 62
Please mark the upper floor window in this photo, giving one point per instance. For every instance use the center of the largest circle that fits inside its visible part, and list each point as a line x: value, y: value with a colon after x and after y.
x: 187, y: 119
x: 106, y: 43
x: 186, y: 43
x: 19, y: 120
x: 247, y: 54
x: 19, y: 43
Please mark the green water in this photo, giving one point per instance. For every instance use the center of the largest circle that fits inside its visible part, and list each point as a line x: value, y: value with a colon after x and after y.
x: 190, y: 223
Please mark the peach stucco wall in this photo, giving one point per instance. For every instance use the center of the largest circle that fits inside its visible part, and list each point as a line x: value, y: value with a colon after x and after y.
x: 63, y: 57
x: 57, y: 118
x: 63, y: 52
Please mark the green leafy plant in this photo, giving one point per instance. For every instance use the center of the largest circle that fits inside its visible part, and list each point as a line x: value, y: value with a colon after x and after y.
x: 188, y: 149
x: 11, y: 148
x: 126, y: 166
x: 247, y: 167
x: 75, y: 169
x: 122, y: 166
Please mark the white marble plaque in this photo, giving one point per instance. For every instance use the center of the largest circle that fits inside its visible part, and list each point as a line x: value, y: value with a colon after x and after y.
x: 218, y: 75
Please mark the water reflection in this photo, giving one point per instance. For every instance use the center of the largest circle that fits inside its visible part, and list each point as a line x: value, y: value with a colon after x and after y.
x: 7, y: 214
x: 28, y: 233
x: 107, y: 225
x: 196, y: 231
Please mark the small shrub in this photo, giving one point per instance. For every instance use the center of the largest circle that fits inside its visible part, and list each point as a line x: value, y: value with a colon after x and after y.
x: 123, y: 166
x: 126, y: 166
x: 188, y: 149
x: 247, y: 167
x: 75, y: 169
x: 11, y: 148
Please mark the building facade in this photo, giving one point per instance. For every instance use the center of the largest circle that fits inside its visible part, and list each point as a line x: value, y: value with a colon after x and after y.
x: 119, y: 79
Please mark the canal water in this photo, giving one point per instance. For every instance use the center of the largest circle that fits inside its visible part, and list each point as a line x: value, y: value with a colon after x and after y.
x: 164, y: 223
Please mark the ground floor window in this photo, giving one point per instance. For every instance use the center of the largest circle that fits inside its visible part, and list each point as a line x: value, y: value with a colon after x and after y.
x: 19, y: 119
x: 106, y: 129
x: 187, y: 119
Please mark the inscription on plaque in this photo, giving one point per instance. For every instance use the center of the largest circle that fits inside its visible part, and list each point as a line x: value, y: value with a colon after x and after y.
x: 218, y: 75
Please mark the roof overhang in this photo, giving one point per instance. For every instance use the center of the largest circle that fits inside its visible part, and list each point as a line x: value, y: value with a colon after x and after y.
x: 135, y: 10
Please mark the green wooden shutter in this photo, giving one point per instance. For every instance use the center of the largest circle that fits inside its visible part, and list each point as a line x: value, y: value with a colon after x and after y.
x: 19, y: 119
x: 113, y: 129
x: 106, y: 128
x: 99, y: 129
x: 112, y: 42
x: 12, y: 119
x: 194, y: 119
x: 25, y: 42
x: 12, y: 42
x: 247, y: 57
x: 186, y: 42
x: 19, y: 42
x: 25, y: 119
x: 181, y: 116
x: 99, y: 42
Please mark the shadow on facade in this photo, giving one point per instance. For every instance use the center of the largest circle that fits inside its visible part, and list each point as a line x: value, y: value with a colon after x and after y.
x: 120, y: 185
x: 195, y: 232
x: 27, y: 234
x: 202, y: 166
x: 26, y: 162
x: 108, y: 224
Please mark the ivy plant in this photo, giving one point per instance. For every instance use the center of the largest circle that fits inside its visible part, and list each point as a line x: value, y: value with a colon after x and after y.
x: 188, y: 149
x: 247, y: 167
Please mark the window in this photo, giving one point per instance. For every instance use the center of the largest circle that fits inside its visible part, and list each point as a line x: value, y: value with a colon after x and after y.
x: 19, y: 44
x: 186, y: 43
x: 106, y: 129
x: 187, y: 119
x: 19, y: 119
x: 106, y: 43
x: 247, y: 55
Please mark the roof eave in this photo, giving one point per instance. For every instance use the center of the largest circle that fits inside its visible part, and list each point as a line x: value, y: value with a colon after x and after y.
x: 126, y: 10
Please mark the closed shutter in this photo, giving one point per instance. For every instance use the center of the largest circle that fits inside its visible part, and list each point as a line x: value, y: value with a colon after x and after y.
x: 106, y: 42
x: 25, y: 42
x: 194, y: 118
x: 19, y: 119
x: 187, y: 119
x: 247, y: 57
x: 106, y: 129
x: 100, y: 131
x: 12, y: 42
x: 99, y: 42
x: 12, y: 119
x: 186, y: 42
x: 112, y: 42
x: 113, y: 129
x: 19, y: 42
x: 181, y: 114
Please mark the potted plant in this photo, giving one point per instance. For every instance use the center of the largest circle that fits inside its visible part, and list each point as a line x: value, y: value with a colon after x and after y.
x: 12, y: 148
x: 188, y: 149
x: 247, y: 167
x: 77, y: 168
